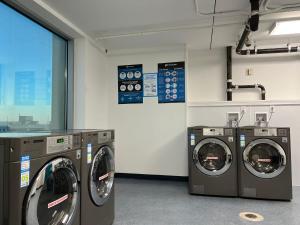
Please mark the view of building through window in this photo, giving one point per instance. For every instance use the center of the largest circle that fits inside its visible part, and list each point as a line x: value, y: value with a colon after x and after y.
x: 32, y: 74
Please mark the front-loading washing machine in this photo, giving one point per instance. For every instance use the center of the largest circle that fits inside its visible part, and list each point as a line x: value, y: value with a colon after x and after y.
x: 40, y: 179
x: 98, y: 168
x: 265, y: 163
x: 212, y: 161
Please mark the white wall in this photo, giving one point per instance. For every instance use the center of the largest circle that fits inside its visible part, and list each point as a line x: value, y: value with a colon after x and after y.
x: 150, y: 137
x: 207, y: 76
x: 285, y: 115
x: 90, y: 86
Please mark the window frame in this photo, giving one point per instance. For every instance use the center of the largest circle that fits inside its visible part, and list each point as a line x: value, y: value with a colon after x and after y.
x: 69, y: 70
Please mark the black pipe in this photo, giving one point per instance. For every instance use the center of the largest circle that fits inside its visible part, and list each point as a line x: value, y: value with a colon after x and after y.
x: 259, y: 86
x: 229, y: 73
x: 230, y: 86
x: 263, y: 91
x: 252, y: 25
x: 254, y: 20
x: 243, y: 39
x: 269, y: 51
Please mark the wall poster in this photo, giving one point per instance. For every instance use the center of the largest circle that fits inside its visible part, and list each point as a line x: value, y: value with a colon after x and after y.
x: 130, y: 84
x: 150, y: 84
x: 171, y: 82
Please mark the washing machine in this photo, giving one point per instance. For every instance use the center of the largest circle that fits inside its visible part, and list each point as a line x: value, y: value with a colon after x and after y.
x: 212, y: 161
x: 40, y: 179
x: 98, y: 168
x: 265, y: 163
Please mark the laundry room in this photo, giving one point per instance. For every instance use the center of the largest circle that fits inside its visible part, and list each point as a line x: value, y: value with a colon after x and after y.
x: 135, y: 112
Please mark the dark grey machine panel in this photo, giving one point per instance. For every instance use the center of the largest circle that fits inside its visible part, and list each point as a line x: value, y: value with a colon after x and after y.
x: 62, y: 163
x: 212, y: 161
x: 264, y: 163
x: 97, y: 196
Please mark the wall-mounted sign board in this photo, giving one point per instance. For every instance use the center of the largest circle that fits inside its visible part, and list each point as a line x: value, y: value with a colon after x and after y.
x: 150, y: 84
x: 130, y: 84
x: 171, y: 82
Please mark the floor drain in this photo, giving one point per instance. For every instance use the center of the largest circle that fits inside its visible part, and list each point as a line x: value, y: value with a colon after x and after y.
x: 250, y: 216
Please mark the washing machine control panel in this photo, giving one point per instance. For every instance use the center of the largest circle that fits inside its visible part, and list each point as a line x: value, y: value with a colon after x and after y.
x: 213, y: 132
x: 59, y: 143
x: 104, y: 136
x: 261, y: 132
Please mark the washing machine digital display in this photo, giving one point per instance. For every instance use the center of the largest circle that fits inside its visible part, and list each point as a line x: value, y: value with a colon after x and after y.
x: 102, y: 176
x: 53, y: 194
x: 60, y: 140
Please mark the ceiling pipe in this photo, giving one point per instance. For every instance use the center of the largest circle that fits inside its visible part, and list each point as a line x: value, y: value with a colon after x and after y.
x: 254, y: 19
x: 270, y: 50
x: 252, y: 25
x: 243, y: 38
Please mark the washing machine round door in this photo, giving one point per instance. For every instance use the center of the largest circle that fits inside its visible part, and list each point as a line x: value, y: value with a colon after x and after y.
x: 264, y: 158
x: 102, y: 175
x: 53, y: 195
x: 212, y: 157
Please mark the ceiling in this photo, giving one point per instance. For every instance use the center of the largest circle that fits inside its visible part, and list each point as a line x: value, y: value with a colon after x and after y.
x: 133, y: 24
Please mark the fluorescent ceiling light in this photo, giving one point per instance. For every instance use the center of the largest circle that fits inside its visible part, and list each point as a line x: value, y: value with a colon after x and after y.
x: 286, y: 27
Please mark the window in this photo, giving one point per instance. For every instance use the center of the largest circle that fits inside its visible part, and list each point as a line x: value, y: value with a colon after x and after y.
x: 33, y: 74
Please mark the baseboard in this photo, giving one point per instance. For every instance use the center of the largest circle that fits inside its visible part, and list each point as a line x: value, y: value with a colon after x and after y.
x: 151, y: 177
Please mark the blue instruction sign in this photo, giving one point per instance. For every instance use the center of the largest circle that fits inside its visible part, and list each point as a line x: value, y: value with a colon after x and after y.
x: 130, y: 84
x: 171, y: 82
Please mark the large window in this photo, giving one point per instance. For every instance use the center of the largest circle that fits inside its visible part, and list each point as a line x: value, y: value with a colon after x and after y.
x: 33, y: 74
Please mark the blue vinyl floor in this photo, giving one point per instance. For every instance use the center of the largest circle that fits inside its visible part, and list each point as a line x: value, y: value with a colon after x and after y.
x: 156, y: 202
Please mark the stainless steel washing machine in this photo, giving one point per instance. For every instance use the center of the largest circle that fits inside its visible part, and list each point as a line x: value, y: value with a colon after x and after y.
x: 40, y: 181
x: 98, y: 169
x: 212, y: 161
x: 265, y: 163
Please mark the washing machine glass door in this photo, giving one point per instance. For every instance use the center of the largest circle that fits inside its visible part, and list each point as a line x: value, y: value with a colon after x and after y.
x: 53, y: 195
x: 212, y: 157
x: 264, y: 158
x: 102, y: 176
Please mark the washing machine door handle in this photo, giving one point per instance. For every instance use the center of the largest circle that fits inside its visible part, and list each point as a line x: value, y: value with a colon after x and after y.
x: 229, y: 158
x: 283, y: 160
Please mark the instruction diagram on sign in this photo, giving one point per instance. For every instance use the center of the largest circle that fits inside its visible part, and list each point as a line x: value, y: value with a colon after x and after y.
x: 171, y: 82
x: 130, y: 84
